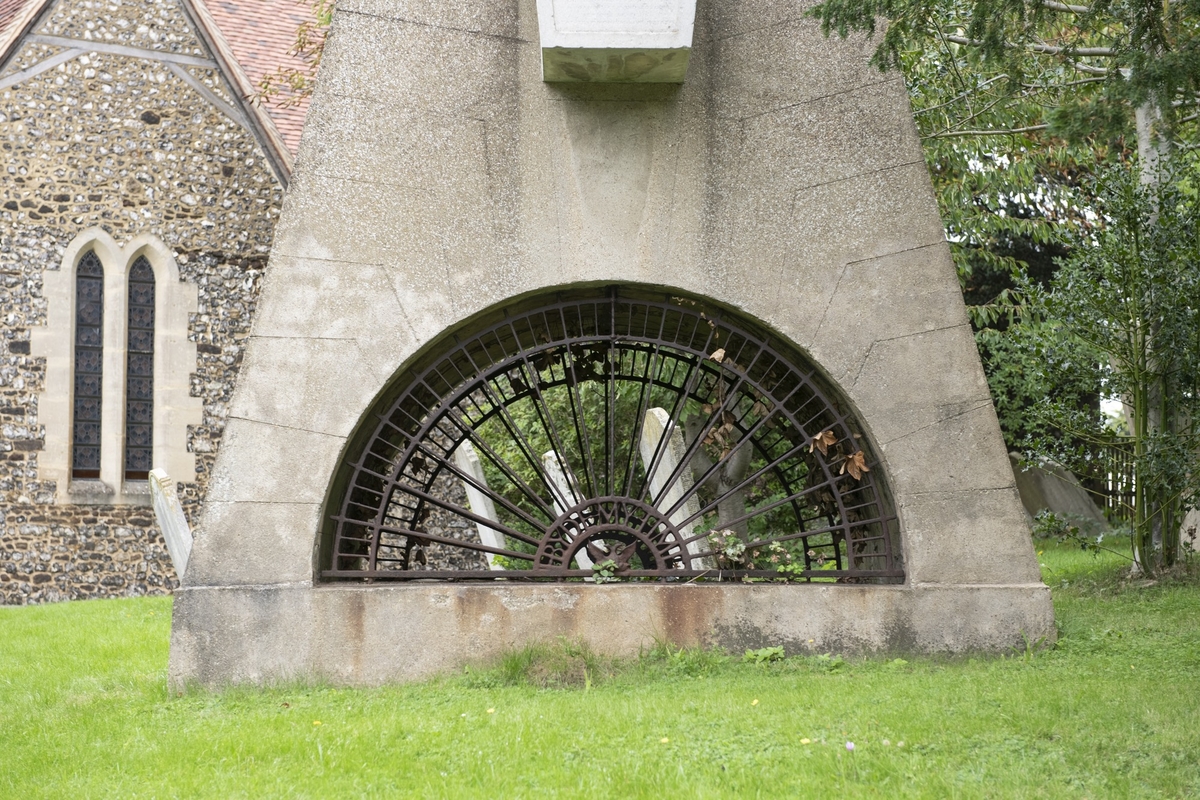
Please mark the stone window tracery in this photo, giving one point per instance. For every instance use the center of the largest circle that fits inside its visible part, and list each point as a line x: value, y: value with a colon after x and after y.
x: 117, y: 399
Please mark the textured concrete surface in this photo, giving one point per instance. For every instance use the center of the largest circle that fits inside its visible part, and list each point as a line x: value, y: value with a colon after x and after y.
x: 439, y: 175
x: 366, y: 636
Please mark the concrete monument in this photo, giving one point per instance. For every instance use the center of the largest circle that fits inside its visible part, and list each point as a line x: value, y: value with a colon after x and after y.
x: 468, y: 249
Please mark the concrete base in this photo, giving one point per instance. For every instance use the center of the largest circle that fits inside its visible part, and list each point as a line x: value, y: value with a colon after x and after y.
x: 365, y: 636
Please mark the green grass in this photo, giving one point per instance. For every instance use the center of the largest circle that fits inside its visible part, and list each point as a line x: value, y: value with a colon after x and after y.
x: 1112, y: 711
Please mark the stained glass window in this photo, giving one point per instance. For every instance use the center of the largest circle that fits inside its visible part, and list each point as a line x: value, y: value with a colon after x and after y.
x: 89, y: 340
x: 139, y: 374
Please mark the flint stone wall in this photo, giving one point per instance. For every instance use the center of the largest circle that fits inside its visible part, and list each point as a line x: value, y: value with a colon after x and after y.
x: 123, y: 143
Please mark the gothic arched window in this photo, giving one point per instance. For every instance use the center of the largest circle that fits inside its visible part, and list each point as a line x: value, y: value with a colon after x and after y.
x: 117, y: 400
x: 89, y: 339
x: 139, y: 373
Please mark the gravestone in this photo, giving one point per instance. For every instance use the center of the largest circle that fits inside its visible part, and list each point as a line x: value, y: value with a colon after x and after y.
x: 464, y: 240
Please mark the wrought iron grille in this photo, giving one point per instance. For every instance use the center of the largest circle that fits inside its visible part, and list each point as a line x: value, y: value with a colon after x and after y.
x: 88, y: 373
x: 139, y: 374
x: 608, y: 435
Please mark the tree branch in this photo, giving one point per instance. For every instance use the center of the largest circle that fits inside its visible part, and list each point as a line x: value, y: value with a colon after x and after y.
x: 1040, y: 47
x: 954, y: 100
x: 1070, y: 9
x: 1008, y: 132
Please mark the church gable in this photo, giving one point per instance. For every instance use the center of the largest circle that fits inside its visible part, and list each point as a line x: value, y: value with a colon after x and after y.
x: 127, y: 145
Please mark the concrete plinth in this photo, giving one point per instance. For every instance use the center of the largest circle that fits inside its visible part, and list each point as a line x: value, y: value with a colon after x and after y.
x: 356, y: 636
x: 439, y: 174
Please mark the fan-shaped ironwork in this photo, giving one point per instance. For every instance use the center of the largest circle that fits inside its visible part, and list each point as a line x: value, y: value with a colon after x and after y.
x: 611, y: 435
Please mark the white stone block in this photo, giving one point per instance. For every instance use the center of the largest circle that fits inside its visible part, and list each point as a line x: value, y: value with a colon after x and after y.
x: 175, y: 529
x: 481, y: 503
x: 615, y: 41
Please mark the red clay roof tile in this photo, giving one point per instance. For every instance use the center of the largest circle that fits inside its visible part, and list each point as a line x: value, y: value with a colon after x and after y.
x: 260, y: 33
x: 9, y: 10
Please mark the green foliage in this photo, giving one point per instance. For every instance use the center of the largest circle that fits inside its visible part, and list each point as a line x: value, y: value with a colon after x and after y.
x: 1127, y: 304
x: 88, y: 679
x: 605, y: 571
x: 764, y: 655
x: 1018, y: 102
x: 1129, y: 53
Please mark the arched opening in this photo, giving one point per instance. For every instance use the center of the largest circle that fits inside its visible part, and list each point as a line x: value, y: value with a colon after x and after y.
x: 88, y: 372
x: 139, y: 372
x: 611, y: 434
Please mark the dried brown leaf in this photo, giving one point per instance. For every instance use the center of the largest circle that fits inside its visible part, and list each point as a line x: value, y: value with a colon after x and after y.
x: 823, y: 441
x: 856, y: 465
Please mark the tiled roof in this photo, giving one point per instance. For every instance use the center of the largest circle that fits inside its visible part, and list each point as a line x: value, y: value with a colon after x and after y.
x: 259, y: 33
x: 256, y: 34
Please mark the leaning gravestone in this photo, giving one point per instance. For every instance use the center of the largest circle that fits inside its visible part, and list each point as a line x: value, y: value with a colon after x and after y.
x: 674, y: 276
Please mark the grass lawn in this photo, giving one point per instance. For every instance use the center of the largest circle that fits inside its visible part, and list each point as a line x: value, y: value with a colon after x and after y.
x: 1112, y: 711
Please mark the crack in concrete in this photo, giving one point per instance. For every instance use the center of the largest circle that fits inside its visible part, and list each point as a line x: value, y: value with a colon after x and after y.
x: 811, y: 100
x: 286, y: 427
x: 939, y: 421
x: 435, y: 26
x: 858, y: 175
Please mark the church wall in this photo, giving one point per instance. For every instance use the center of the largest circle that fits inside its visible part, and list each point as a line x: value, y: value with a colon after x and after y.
x: 124, y: 142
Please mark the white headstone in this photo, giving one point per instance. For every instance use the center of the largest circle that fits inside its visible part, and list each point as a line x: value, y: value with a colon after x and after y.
x: 174, y: 525
x: 468, y: 461
x: 655, y: 425
x: 566, y: 494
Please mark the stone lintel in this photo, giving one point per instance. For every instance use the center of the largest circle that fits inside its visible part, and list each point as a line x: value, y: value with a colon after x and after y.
x: 615, y: 41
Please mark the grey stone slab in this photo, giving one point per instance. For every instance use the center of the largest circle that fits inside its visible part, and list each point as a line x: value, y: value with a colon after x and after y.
x: 969, y: 537
x: 796, y: 246
x: 749, y: 81
x: 263, y: 462
x: 912, y: 382
x: 838, y: 137
x: 958, y: 452
x: 376, y: 141
x: 717, y: 20
x: 245, y: 635
x: 867, y: 216
x: 961, y: 615
x: 336, y: 300
x: 913, y: 291
x: 291, y: 380
x: 418, y: 66
x: 238, y: 543
x: 1051, y: 487
x: 354, y: 222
